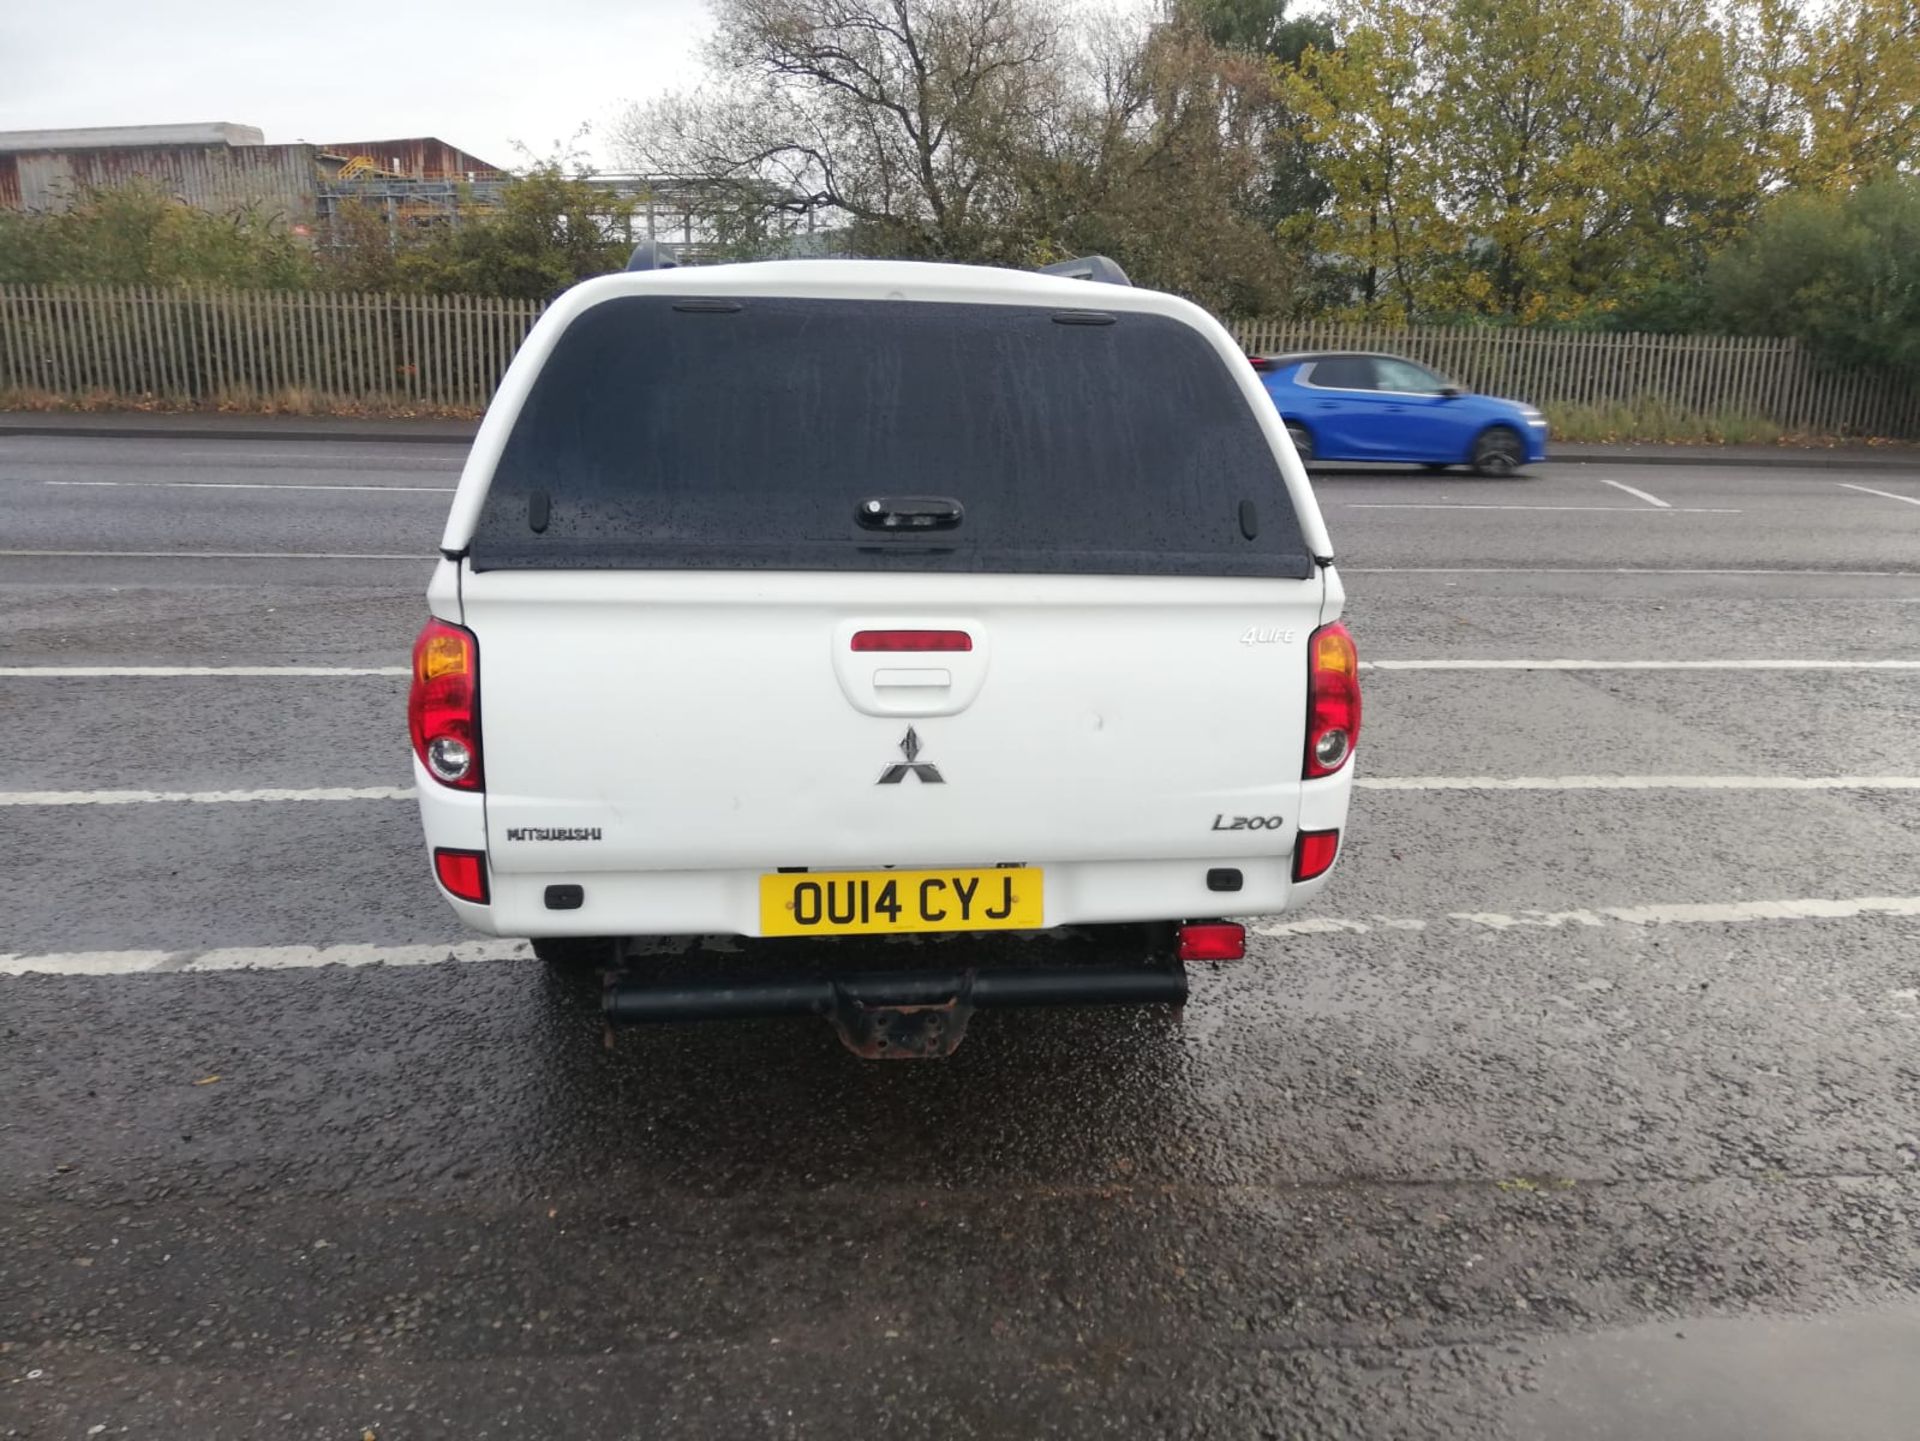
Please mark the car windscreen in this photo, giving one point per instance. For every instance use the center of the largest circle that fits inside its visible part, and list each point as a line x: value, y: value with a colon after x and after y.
x: 677, y: 433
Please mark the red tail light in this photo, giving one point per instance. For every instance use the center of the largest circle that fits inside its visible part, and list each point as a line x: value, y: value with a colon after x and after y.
x: 443, y: 709
x: 1313, y: 854
x: 1213, y: 941
x: 899, y: 640
x: 464, y: 873
x: 1333, y: 700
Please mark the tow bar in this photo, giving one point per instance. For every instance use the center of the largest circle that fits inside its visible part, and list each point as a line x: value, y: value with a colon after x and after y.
x: 893, y: 1015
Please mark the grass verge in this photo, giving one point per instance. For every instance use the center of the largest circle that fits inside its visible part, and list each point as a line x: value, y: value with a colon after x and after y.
x: 283, y: 402
x: 1656, y: 422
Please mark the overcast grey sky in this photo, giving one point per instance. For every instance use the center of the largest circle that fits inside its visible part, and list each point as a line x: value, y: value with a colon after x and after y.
x: 479, y: 73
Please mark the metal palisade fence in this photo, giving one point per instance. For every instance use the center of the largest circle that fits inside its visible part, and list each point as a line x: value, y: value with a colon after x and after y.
x: 324, y: 350
x: 243, y: 348
x: 1768, y: 378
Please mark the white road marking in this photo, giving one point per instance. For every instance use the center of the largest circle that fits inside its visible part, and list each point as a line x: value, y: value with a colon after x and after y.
x: 129, y: 672
x: 1638, y: 783
x: 1869, y: 490
x: 1614, y: 570
x: 1634, y: 665
x: 1609, y: 509
x: 242, y: 485
x: 257, y: 958
x: 131, y: 798
x: 328, y: 672
x: 1640, y: 494
x: 1720, y: 914
x: 315, y: 454
x: 1345, y: 570
x: 1370, y: 783
x: 261, y: 958
x: 217, y: 555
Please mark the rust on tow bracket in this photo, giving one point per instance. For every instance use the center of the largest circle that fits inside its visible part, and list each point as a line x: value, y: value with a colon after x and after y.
x: 903, y: 1033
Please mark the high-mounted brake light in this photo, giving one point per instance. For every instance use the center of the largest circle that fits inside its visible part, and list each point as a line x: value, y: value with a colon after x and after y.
x: 443, y: 708
x: 1260, y: 362
x: 463, y: 873
x: 1333, y: 700
x: 911, y: 640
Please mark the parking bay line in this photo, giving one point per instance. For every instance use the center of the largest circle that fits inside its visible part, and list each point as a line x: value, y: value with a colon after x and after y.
x: 1869, y: 490
x: 217, y: 555
x: 1657, y: 665
x: 259, y: 958
x: 1638, y: 783
x: 126, y: 798
x: 1803, y: 572
x: 144, y: 672
x: 1678, y: 914
x: 1367, y: 783
x: 324, y: 672
x: 241, y: 485
x: 1608, y: 509
x: 1640, y: 494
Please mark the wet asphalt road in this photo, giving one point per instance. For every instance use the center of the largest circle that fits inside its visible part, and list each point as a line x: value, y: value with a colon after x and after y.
x: 1540, y: 1130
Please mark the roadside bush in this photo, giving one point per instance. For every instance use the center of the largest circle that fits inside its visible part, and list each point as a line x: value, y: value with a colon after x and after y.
x: 138, y: 234
x: 551, y: 230
x: 1836, y: 270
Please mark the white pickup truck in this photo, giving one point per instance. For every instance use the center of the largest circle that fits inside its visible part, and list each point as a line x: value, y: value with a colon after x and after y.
x: 856, y: 598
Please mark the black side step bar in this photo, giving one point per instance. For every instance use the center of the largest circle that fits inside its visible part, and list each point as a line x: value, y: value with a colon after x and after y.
x: 893, y: 1014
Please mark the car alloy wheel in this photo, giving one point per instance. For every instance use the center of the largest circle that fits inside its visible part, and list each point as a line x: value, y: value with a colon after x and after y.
x: 1498, y: 452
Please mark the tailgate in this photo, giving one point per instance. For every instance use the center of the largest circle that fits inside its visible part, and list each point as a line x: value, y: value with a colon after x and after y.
x: 659, y: 721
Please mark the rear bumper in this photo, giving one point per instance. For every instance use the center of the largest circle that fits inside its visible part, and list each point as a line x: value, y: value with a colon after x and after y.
x: 727, y: 901
x: 709, y: 903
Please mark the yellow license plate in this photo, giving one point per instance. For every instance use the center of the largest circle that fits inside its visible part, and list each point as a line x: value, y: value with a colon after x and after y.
x: 864, y: 903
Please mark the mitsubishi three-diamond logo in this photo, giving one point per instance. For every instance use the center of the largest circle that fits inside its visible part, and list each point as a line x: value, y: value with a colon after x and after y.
x: 910, y: 748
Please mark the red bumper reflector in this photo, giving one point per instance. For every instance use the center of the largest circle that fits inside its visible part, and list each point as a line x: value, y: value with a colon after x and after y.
x: 464, y: 873
x: 1213, y: 941
x: 1313, y: 854
x: 914, y: 640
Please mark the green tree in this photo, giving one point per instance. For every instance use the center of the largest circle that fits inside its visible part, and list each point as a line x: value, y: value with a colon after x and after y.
x: 1259, y: 27
x: 1838, y: 270
x: 1168, y: 177
x: 1858, y: 87
x: 1546, y: 160
x: 1389, y: 245
x: 1590, y: 143
x: 1292, y: 182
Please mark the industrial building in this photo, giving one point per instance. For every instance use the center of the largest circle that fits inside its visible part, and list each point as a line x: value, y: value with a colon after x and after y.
x: 221, y: 167
x: 414, y: 182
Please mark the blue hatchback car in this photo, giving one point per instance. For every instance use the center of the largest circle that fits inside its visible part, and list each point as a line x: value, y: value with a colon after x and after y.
x: 1349, y: 405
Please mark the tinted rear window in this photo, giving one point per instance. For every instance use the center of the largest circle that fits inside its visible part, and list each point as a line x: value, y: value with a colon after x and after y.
x: 667, y: 433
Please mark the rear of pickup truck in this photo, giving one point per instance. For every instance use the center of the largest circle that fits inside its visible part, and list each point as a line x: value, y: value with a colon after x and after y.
x: 826, y: 599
